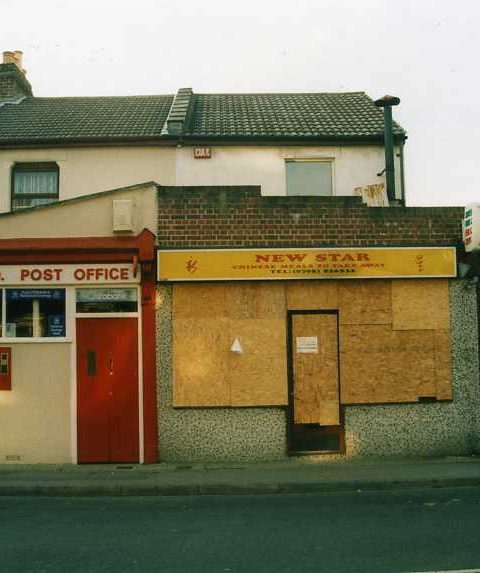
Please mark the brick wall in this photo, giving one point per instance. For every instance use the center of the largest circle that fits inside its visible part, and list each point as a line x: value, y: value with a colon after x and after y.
x: 12, y: 82
x: 239, y: 217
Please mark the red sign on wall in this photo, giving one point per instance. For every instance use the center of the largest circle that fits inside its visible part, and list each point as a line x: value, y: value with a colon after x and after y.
x: 202, y: 152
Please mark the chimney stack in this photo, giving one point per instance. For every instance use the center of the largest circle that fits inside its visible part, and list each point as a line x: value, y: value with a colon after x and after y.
x: 13, y: 82
x: 16, y: 58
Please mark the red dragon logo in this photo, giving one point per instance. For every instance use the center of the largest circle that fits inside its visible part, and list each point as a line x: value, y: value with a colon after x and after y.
x: 192, y: 266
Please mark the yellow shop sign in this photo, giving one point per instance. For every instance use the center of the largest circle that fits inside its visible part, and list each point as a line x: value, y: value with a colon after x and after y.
x: 281, y: 264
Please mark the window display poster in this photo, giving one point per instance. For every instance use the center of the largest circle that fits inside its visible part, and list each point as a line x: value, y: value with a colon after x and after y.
x: 56, y: 325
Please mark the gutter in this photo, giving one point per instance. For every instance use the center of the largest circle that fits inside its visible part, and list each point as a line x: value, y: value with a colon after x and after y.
x: 174, y: 140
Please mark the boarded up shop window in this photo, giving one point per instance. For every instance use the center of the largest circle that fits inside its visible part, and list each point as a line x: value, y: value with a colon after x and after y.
x: 395, y: 339
x: 206, y: 321
x: 397, y: 354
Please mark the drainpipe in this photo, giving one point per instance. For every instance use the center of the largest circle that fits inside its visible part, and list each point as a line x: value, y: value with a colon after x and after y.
x: 402, y: 175
x: 387, y: 102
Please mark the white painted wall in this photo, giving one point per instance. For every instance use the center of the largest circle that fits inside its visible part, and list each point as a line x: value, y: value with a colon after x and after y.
x: 35, y: 413
x: 87, y: 217
x: 84, y: 171
x: 352, y: 167
x: 90, y: 170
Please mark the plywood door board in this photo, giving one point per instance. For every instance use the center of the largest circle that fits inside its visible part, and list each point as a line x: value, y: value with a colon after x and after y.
x: 316, y: 373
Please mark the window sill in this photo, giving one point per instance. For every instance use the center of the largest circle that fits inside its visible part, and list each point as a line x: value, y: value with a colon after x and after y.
x: 44, y: 340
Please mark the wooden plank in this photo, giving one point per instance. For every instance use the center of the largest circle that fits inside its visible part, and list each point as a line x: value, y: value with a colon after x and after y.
x: 380, y: 365
x: 201, y: 349
x: 201, y: 301
x: 258, y: 375
x: 443, y: 365
x: 420, y: 304
x: 256, y: 300
x: 316, y: 374
x: 235, y: 300
x: 312, y: 295
x: 365, y: 302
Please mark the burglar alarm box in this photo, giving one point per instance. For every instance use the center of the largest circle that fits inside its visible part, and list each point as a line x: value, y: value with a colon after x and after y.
x: 5, y: 368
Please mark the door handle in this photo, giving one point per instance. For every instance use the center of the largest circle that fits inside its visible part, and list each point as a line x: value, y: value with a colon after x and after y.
x: 110, y: 367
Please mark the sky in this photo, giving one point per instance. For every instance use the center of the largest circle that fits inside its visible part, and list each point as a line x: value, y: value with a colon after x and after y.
x: 424, y: 51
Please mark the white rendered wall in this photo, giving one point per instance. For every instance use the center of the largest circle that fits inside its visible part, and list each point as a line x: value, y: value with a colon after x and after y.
x: 35, y: 413
x: 352, y: 167
x: 84, y: 171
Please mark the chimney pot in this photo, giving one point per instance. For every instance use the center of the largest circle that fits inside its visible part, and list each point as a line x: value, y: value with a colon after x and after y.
x: 16, y: 58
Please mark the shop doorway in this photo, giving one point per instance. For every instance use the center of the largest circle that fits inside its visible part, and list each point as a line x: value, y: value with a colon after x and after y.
x: 314, y: 416
x: 107, y: 390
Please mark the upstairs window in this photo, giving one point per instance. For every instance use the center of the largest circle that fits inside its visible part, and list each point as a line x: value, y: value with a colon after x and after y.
x: 309, y: 177
x: 34, y: 184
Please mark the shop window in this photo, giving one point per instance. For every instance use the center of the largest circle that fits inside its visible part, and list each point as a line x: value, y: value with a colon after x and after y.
x: 35, y: 313
x: 309, y: 177
x: 34, y: 184
x: 96, y: 300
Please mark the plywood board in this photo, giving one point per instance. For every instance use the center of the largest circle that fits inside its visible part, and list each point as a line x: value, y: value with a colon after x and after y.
x: 381, y: 338
x: 312, y: 295
x: 201, y: 301
x: 316, y: 373
x: 386, y: 377
x: 258, y: 375
x: 379, y: 365
x: 256, y: 300
x: 443, y: 365
x: 420, y: 304
x: 365, y: 302
x: 200, y: 368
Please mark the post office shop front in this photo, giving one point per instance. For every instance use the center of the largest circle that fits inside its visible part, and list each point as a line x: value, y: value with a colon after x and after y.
x: 73, y: 331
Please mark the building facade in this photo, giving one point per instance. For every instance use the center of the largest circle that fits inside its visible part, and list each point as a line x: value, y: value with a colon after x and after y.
x: 53, y: 149
x: 307, y: 325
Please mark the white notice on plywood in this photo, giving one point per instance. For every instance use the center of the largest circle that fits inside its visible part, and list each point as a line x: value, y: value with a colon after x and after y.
x: 307, y: 345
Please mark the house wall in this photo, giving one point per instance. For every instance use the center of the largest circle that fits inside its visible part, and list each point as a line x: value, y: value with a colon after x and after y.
x: 35, y: 414
x: 353, y: 166
x: 88, y: 170
x: 84, y: 171
x: 195, y: 217
x: 91, y: 216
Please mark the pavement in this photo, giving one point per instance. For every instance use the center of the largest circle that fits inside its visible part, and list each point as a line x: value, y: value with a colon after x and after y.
x: 294, y: 475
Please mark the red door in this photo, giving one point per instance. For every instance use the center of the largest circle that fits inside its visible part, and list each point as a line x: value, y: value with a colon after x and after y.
x: 107, y: 390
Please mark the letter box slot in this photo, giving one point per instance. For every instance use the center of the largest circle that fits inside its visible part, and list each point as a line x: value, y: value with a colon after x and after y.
x: 5, y: 368
x: 91, y: 363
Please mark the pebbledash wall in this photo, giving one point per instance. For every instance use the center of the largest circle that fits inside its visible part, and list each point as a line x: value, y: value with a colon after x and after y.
x: 196, y: 217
